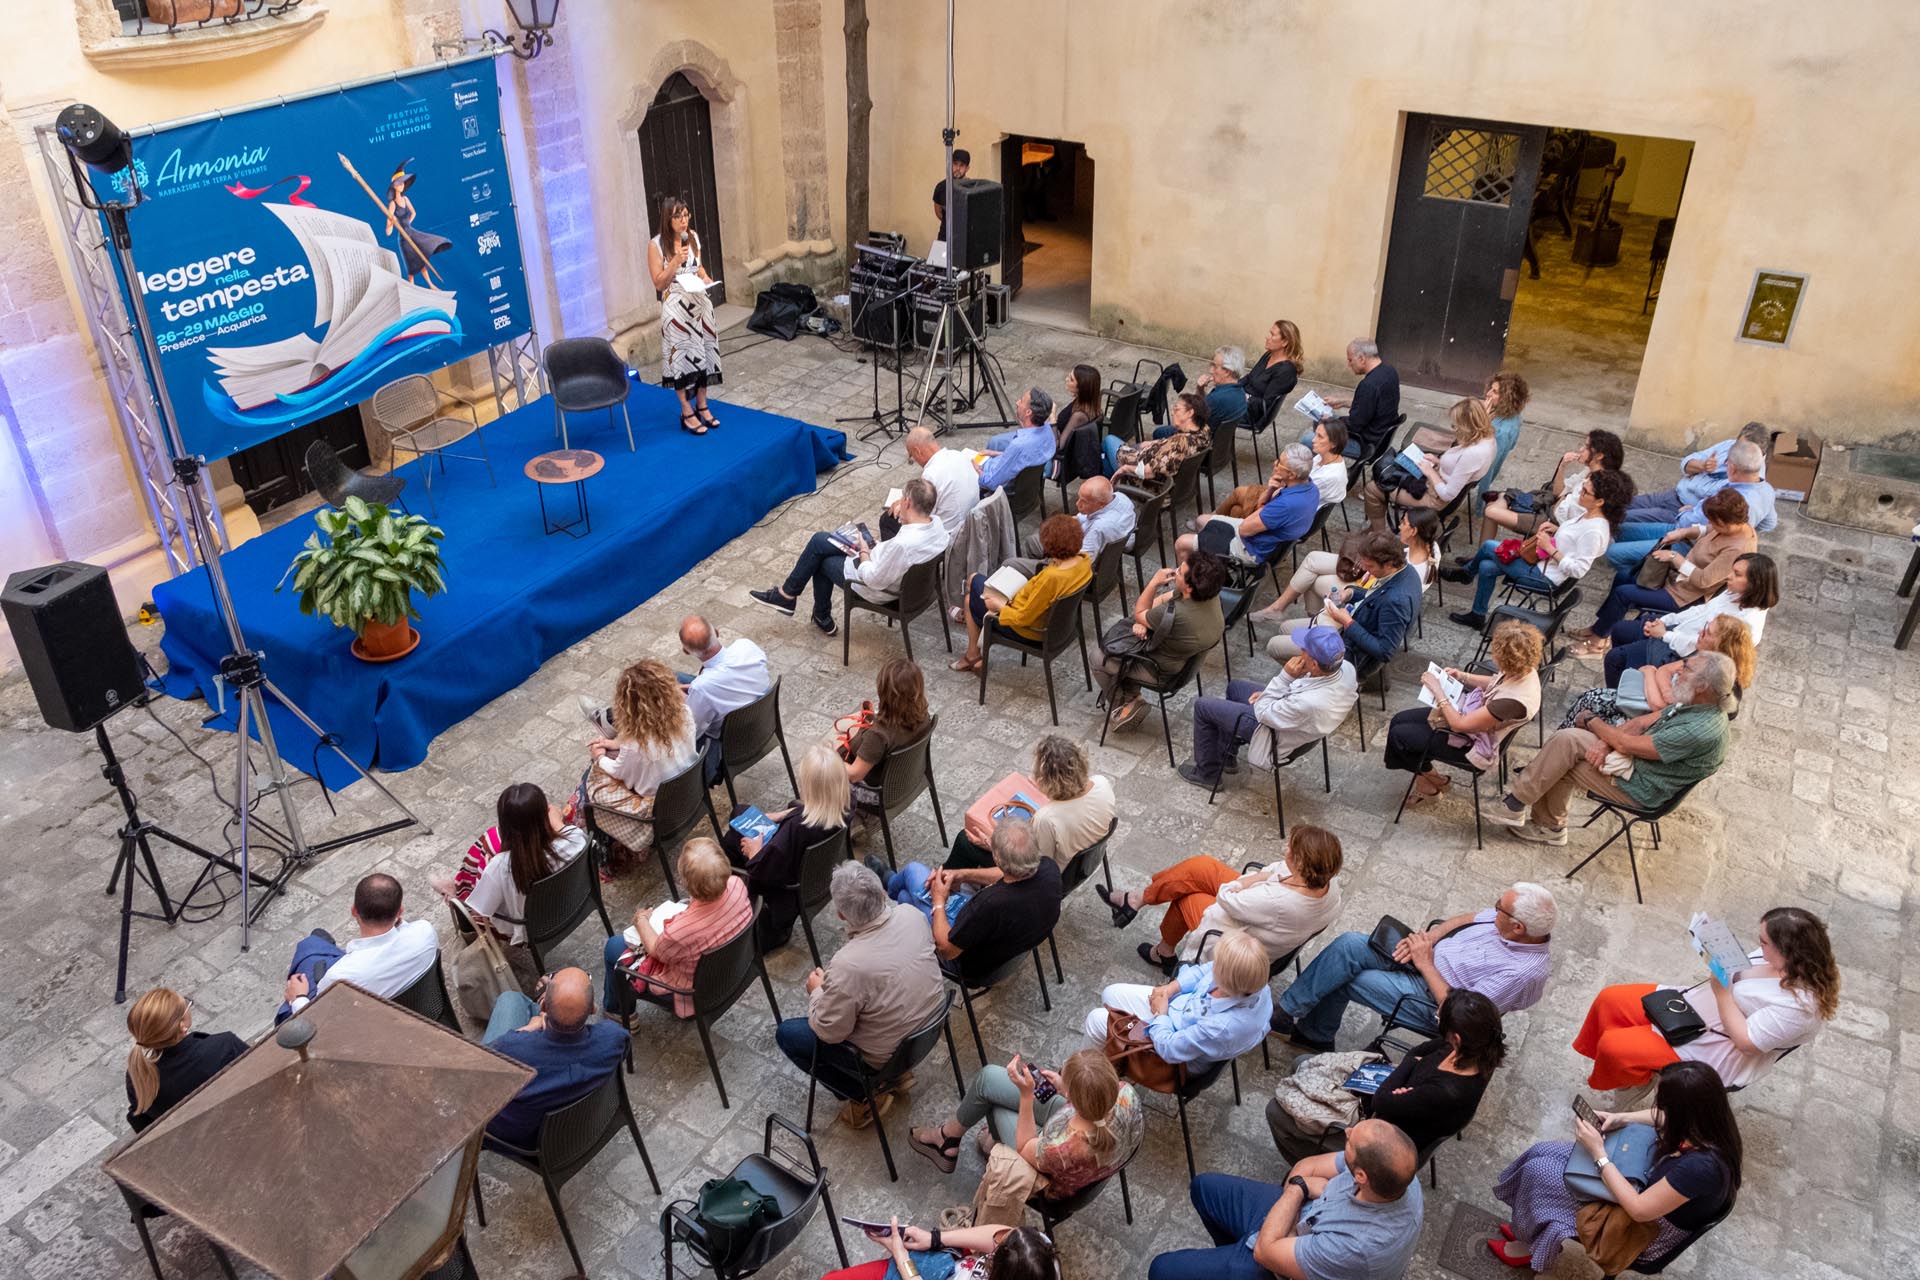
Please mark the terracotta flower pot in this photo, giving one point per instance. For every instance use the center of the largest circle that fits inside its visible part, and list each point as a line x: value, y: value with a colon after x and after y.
x: 179, y: 11
x: 384, y: 642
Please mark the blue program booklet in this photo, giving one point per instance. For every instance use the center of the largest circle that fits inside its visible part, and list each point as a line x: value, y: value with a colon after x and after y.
x: 1368, y: 1078
x: 754, y: 824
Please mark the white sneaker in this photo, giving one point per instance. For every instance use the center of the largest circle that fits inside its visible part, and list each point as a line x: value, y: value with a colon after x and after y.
x: 596, y: 714
x: 1496, y: 811
x: 1538, y: 834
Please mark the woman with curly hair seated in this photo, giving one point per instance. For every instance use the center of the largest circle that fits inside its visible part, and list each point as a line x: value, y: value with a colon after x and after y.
x: 1469, y: 733
x: 653, y: 740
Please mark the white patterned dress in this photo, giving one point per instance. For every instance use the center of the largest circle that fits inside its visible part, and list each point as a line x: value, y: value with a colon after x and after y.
x: 689, y: 346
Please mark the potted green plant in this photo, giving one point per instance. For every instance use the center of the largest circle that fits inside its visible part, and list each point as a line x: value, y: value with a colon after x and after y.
x: 362, y: 574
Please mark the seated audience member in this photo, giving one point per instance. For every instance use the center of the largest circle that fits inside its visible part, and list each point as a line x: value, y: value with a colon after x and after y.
x: 1501, y: 953
x: 899, y: 712
x: 1374, y: 406
x: 514, y: 808
x: 772, y: 865
x: 1209, y: 1012
x: 1309, y: 698
x: 1790, y: 988
x: 1702, y: 474
x: 1329, y: 474
x: 1148, y: 466
x: 1419, y: 533
x: 570, y: 1052
x: 1351, y: 1215
x: 1337, y: 577
x: 880, y: 987
x: 1752, y: 589
x: 1746, y: 467
x: 535, y: 842
x: 1286, y: 511
x: 1177, y: 616
x: 1080, y: 1135
x: 979, y: 1252
x: 1281, y: 904
x: 1564, y: 551
x: 1695, y: 1175
x: 653, y: 740
x: 1440, y: 479
x: 1519, y: 510
x: 1430, y: 1096
x: 1031, y: 444
x: 169, y: 1059
x: 1220, y: 384
x: 1372, y: 628
x: 874, y: 570
x: 717, y: 909
x: 1275, y: 373
x: 1492, y: 707
x: 1725, y: 634
x: 1066, y: 571
x: 1668, y: 749
x: 1079, y: 442
x: 1104, y: 517
x: 386, y: 959
x: 956, y: 485
x: 730, y: 677
x: 1012, y: 914
x: 1077, y: 811
x: 1692, y: 575
x: 1506, y: 396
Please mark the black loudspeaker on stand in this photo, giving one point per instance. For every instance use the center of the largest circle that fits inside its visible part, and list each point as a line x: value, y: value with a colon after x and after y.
x: 978, y: 219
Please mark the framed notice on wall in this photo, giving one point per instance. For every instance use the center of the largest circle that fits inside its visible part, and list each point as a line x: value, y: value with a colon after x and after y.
x: 1772, y: 306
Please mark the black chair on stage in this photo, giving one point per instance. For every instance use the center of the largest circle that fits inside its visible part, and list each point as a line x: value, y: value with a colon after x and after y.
x: 335, y: 481
x: 428, y: 995
x: 1064, y: 627
x: 920, y: 591
x: 748, y: 735
x: 797, y: 1189
x: 569, y: 1140
x: 586, y: 374
x: 900, y: 778
x: 912, y: 1051
x: 720, y: 978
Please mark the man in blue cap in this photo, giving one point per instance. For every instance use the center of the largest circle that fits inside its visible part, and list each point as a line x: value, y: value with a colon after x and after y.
x: 1308, y: 700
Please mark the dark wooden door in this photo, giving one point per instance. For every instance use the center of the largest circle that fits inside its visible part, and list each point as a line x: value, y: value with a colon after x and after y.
x: 275, y: 473
x: 1013, y: 249
x: 676, y: 157
x: 1465, y: 192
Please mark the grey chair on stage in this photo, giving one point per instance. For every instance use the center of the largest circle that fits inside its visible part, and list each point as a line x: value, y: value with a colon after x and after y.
x: 408, y: 410
x: 586, y: 375
x: 335, y: 481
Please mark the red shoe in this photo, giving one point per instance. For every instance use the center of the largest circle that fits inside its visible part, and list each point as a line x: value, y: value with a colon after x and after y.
x: 1499, y: 1250
x: 1506, y: 1229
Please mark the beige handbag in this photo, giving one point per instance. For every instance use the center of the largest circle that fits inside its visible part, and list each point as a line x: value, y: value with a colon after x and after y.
x: 1006, y: 1185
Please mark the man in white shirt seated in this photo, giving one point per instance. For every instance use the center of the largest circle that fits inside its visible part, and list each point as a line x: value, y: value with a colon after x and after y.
x: 956, y: 485
x: 1309, y: 699
x: 1105, y: 517
x: 874, y: 569
x: 386, y: 959
x: 730, y: 677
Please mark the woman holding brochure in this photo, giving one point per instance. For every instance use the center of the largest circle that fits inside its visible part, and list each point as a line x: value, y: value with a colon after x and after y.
x: 766, y: 848
x: 1466, y: 716
x: 1025, y: 609
x: 1752, y: 1014
x: 689, y: 344
x: 1461, y: 465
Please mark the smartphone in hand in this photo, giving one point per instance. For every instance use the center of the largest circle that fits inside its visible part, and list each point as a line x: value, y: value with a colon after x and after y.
x: 1042, y: 1088
x: 1584, y: 1109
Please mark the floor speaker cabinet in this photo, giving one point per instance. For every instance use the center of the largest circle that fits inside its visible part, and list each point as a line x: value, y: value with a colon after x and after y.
x: 73, y: 643
x: 926, y: 317
x: 977, y: 220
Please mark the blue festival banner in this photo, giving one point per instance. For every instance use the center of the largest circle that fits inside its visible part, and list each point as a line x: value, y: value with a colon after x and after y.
x: 299, y: 255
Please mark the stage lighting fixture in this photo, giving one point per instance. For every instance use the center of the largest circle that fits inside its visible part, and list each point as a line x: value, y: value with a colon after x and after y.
x: 97, y: 141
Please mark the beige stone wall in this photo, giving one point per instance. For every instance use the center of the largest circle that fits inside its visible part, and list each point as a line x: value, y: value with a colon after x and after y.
x: 1246, y: 154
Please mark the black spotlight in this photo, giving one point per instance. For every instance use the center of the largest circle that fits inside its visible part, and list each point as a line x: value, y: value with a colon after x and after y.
x: 97, y: 141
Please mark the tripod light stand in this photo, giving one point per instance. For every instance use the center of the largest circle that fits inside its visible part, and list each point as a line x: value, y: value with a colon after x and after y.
x: 91, y: 139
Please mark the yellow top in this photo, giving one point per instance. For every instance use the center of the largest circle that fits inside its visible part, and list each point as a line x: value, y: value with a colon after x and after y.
x: 1027, y: 611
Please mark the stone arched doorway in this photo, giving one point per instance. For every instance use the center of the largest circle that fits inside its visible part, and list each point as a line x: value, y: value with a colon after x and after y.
x: 676, y: 159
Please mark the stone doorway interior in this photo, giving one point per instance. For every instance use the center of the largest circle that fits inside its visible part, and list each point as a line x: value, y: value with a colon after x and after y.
x: 1055, y: 208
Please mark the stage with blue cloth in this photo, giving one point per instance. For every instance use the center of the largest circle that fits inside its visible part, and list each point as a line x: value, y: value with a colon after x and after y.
x: 515, y: 595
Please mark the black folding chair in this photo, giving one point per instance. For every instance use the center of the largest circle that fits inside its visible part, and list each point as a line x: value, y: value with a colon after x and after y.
x: 900, y: 778
x: 1063, y: 627
x: 1109, y: 574
x: 797, y: 1189
x: 1428, y: 760
x: 1078, y: 871
x: 559, y: 901
x: 1026, y: 493
x: 1279, y: 803
x: 720, y: 978
x: 749, y: 734
x: 569, y: 1139
x: 920, y: 590
x: 428, y: 997
x: 815, y: 887
x: 1146, y: 672
x: 969, y: 988
x: 911, y: 1052
x: 1149, y: 516
x: 1629, y: 815
x: 1053, y: 1212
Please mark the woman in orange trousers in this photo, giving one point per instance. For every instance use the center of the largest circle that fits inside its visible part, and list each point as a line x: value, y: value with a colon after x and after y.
x: 1619, y: 1037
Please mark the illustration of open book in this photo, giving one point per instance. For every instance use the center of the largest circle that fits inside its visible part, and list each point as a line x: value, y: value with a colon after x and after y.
x: 361, y: 298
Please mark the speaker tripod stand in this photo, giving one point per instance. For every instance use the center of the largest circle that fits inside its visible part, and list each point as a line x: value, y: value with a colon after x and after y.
x: 134, y: 840
x: 894, y: 421
x: 938, y: 394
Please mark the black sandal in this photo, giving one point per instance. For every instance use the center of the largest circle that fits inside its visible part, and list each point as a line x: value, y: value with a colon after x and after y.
x: 706, y: 416
x: 1122, y: 913
x: 690, y: 430
x: 1166, y: 966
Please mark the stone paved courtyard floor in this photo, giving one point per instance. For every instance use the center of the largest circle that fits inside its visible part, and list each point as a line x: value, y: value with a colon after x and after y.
x: 1817, y: 806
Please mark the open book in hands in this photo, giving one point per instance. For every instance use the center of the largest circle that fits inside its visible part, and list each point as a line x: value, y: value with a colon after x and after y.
x: 1312, y: 406
x: 1006, y: 581
x: 1717, y: 946
x: 854, y: 536
x: 1454, y: 689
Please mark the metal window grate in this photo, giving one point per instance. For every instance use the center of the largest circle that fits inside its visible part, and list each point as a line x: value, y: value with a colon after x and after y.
x: 1471, y: 164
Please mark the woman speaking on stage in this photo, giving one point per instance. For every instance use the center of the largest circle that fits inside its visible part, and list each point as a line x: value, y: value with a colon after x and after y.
x: 689, y: 347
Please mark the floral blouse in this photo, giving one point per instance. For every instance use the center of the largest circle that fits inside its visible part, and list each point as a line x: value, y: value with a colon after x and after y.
x: 1067, y: 1160
x: 1159, y: 459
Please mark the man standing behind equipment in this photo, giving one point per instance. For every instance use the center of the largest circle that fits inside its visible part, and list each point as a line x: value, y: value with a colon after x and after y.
x: 961, y: 161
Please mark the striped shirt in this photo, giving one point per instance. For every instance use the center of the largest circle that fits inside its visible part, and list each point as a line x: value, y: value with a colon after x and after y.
x: 702, y: 927
x: 1511, y: 974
